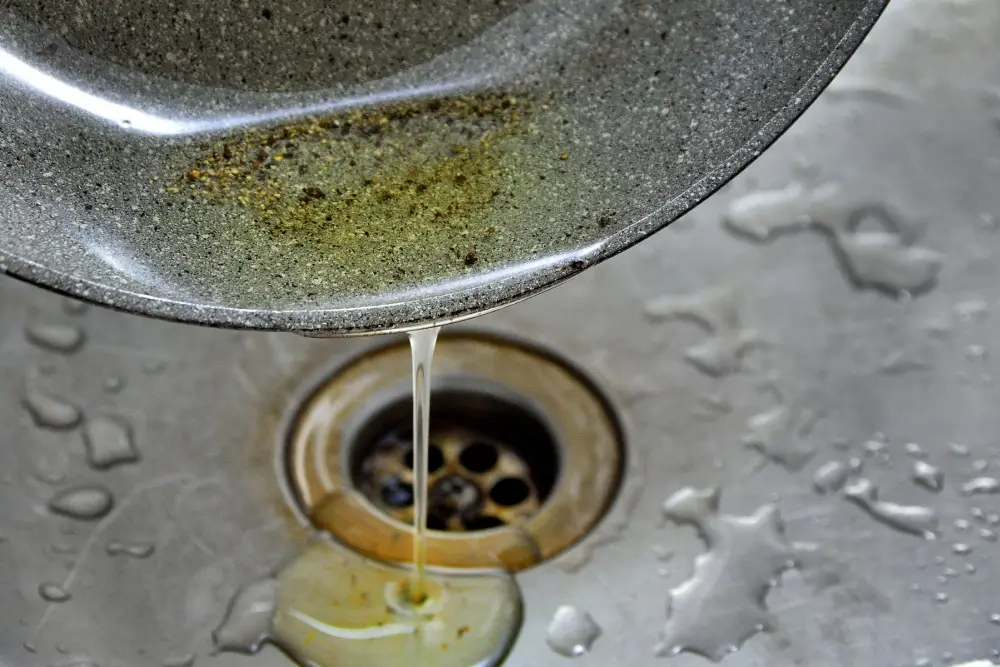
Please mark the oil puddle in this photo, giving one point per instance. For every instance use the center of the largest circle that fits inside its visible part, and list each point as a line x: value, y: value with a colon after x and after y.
x: 723, y: 604
x: 781, y: 432
x: 332, y: 607
x: 717, y: 311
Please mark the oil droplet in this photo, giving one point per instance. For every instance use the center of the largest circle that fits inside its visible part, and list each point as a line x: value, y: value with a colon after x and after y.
x: 981, y: 485
x: 55, y: 337
x: 50, y: 411
x: 185, y: 660
x: 928, y: 476
x: 139, y: 550
x: 247, y: 624
x: 914, y: 519
x: 180, y: 661
x: 830, y: 477
x: 109, y: 443
x: 995, y: 619
x: 86, y: 503
x: 716, y: 310
x: 74, y: 306
x: 980, y: 465
x: 962, y: 525
x: 987, y: 535
x: 970, y: 568
x: 53, y: 593
x: 572, y: 632
x: 874, y: 447
x: 335, y: 608
x: 941, y: 598
x: 914, y: 450
x: 961, y: 549
x: 723, y: 603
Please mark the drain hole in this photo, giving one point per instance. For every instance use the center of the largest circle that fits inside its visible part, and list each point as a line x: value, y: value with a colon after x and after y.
x: 492, y: 462
x: 482, y: 523
x: 396, y: 493
x: 435, y: 459
x: 436, y: 523
x: 510, y: 491
x: 479, y: 457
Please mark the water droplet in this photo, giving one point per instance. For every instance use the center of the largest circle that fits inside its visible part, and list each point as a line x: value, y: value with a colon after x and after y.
x: 972, y: 309
x: 993, y: 519
x: 957, y: 449
x: 248, y: 620
x: 995, y: 619
x: 139, y: 550
x: 914, y: 519
x: 970, y: 568
x: 874, y: 447
x: 53, y: 593
x: 941, y: 598
x: 716, y: 310
x: 74, y: 306
x: 153, y: 367
x: 980, y: 465
x: 922, y: 662
x: 881, y: 260
x: 961, y: 549
x: 950, y: 572
x: 62, y: 338
x: 928, y: 476
x: 86, y: 503
x: 50, y: 411
x: 180, y: 660
x: 914, y: 450
x: 981, y: 485
x: 962, y: 525
x: 830, y: 477
x: 987, y: 535
x: 114, y: 384
x: 779, y: 433
x: 978, y: 514
x: 723, y: 603
x: 109, y: 443
x: 763, y: 215
x: 572, y: 632
x: 976, y: 353
x: 662, y: 553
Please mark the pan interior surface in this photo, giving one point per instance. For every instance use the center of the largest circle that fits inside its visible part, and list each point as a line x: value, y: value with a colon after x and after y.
x: 333, y: 166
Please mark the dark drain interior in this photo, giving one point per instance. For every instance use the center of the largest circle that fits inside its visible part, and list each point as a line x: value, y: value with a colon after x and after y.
x: 492, y: 461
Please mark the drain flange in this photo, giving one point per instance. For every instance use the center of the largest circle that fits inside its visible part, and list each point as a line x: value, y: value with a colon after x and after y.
x: 526, y: 454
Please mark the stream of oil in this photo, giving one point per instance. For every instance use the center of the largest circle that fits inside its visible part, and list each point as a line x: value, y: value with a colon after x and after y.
x: 422, y: 352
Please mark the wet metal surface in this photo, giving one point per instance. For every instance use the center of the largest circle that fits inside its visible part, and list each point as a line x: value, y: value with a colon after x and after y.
x: 872, y: 378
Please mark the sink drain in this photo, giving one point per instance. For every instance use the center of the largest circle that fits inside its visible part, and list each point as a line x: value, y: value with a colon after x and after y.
x: 525, y: 454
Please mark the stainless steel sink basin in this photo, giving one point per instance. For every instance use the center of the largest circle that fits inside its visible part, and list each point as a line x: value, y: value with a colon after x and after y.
x: 844, y: 297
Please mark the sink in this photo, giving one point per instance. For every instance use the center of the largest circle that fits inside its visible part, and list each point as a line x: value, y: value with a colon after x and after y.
x: 814, y: 349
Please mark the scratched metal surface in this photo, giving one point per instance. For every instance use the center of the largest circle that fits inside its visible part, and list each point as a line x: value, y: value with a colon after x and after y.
x: 912, y: 126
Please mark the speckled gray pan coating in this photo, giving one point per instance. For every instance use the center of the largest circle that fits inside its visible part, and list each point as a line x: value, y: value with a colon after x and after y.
x: 340, y: 168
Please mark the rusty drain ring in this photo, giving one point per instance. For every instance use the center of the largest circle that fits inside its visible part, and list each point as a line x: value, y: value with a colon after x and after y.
x: 586, y: 434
